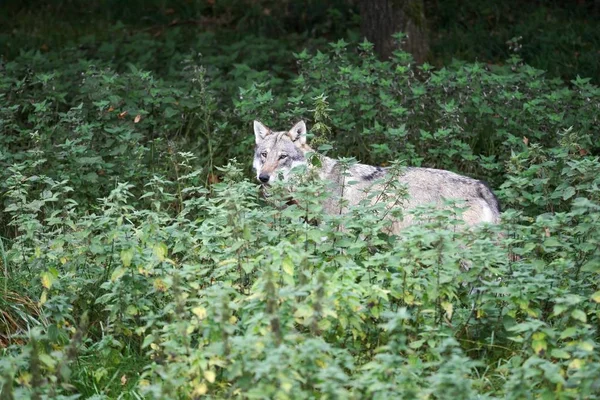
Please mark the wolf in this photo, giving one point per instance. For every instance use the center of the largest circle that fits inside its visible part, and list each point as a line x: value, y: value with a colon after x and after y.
x: 278, y: 152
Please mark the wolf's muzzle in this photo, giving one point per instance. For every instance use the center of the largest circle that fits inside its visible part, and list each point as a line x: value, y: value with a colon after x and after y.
x: 264, y: 178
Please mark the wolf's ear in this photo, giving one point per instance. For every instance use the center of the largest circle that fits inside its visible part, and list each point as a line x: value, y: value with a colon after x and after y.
x: 260, y: 132
x: 298, y: 133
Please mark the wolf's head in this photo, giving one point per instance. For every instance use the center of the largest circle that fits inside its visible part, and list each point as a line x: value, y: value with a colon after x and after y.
x: 276, y: 153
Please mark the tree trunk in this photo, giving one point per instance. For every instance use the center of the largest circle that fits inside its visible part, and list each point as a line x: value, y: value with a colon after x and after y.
x: 382, y: 18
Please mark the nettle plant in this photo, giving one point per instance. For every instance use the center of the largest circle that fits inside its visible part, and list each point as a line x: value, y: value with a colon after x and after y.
x: 144, y: 280
x: 233, y: 295
x: 548, y: 179
x: 95, y: 126
x: 465, y: 116
x: 339, y: 308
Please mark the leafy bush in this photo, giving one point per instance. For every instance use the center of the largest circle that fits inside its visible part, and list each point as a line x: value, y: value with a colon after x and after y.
x: 464, y: 116
x: 230, y: 296
x: 136, y: 261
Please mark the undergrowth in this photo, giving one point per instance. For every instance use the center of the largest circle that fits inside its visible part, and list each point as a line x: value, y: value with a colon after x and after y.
x: 139, y: 259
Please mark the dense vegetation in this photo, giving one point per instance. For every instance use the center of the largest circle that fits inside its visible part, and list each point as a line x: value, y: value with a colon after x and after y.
x: 138, y: 259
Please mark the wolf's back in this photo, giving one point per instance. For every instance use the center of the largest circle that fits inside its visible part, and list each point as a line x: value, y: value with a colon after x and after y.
x: 433, y: 185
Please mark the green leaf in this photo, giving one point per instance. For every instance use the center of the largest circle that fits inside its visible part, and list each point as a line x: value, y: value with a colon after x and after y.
x: 131, y: 310
x: 591, y: 266
x: 47, y: 360
x: 100, y: 373
x: 568, y: 193
x: 117, y: 273
x: 559, y: 309
x: 288, y: 266
x: 324, y: 324
x: 551, y: 242
x: 126, y: 257
x: 558, y: 353
x: 579, y: 315
x: 147, y: 340
x: 315, y: 160
x: 569, y: 332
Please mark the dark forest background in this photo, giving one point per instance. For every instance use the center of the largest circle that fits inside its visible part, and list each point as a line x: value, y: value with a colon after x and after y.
x: 558, y: 36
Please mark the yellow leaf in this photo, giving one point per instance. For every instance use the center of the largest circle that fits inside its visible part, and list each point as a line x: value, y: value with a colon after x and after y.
x: 126, y: 257
x: 117, y: 273
x: 596, y: 296
x: 43, y: 297
x: 577, y: 363
x: 233, y: 319
x: 160, y: 250
x: 47, y: 360
x: 24, y: 378
x: 286, y: 386
x: 160, y: 285
x: 288, y: 266
x: 539, y: 345
x: 210, y: 376
x: 200, y: 312
x: 228, y: 261
x: 200, y: 389
x: 531, y: 313
x: 303, y: 312
x: 447, y: 306
x: 587, y: 346
x: 47, y: 280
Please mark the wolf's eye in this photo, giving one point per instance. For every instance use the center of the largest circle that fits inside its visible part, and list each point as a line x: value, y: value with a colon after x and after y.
x: 281, y: 157
x: 263, y: 154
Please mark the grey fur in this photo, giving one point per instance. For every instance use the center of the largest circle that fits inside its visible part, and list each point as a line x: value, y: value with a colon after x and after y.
x: 278, y: 152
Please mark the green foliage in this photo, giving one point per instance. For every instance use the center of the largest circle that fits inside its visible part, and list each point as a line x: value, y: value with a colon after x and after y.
x: 464, y: 116
x: 230, y: 296
x: 138, y: 261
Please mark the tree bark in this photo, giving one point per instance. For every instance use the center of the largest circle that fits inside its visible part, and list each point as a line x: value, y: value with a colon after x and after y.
x: 382, y: 18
